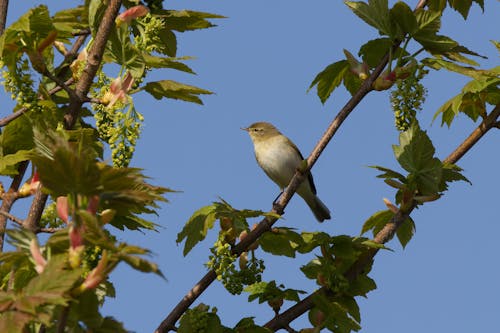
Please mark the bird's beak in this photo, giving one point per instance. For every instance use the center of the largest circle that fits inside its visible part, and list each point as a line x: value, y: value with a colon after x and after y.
x: 244, y: 128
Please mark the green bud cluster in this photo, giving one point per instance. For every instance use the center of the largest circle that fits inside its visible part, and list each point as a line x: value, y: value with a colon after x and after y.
x: 19, y: 83
x: 407, y: 98
x: 150, y: 39
x: 222, y: 261
x: 90, y: 258
x: 49, y: 217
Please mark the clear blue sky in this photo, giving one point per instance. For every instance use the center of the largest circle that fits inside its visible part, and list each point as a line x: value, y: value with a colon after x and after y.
x: 259, y: 62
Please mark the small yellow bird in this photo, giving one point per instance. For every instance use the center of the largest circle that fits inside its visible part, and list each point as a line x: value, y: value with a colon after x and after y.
x: 279, y: 157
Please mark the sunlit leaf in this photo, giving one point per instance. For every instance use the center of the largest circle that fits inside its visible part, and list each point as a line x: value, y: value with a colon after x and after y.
x: 175, y: 90
x: 329, y: 79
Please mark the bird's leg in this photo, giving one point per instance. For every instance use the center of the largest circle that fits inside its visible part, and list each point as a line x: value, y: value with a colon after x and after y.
x: 277, y: 197
x: 277, y: 207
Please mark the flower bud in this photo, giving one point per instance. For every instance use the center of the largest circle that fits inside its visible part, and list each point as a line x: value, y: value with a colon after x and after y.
x: 36, y: 254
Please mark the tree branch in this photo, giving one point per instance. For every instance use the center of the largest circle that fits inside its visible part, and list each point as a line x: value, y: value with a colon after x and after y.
x: 9, y: 198
x: 4, y: 6
x: 12, y: 217
x: 93, y: 62
x: 387, y: 233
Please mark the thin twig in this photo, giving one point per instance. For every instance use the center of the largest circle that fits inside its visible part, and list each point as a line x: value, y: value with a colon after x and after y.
x: 4, y: 6
x: 9, y: 198
x: 12, y: 217
x: 63, y: 319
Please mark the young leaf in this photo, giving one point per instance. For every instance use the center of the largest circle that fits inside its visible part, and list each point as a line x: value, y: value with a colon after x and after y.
x: 9, y: 162
x: 402, y: 14
x: 415, y: 154
x: 281, y: 241
x: 376, y: 14
x: 265, y: 291
x: 187, y: 20
x: 329, y: 79
x: 377, y: 221
x: 196, y: 227
x: 175, y: 90
x: 406, y: 231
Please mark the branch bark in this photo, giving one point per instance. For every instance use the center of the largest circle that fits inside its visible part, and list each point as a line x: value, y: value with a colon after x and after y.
x: 4, y: 6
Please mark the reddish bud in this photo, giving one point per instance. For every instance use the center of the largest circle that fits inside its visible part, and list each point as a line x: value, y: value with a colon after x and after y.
x: 62, y: 208
x: 131, y: 14
x: 76, y: 236
x: 36, y: 254
x: 97, y: 275
x: 384, y: 81
x: 243, y: 261
x: 118, y: 90
x: 107, y: 215
x: 35, y: 183
x: 93, y: 204
x: 356, y: 67
x: 390, y: 205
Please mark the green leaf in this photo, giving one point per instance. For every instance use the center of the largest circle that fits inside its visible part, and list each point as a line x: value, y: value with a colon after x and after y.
x: 374, y: 50
x: 187, y: 20
x: 476, y: 74
x: 311, y: 240
x: 9, y: 162
x: 280, y: 241
x: 463, y: 6
x: 17, y: 135
x: 120, y: 50
x: 140, y: 264
x: 70, y: 20
x: 415, y: 154
x: 266, y: 291
x: 428, y: 21
x: 406, y: 231
x: 388, y: 173
x: 51, y: 286
x: 377, y: 221
x: 329, y: 79
x: 175, y: 90
x: 65, y: 167
x: 351, y: 82
x: 196, y: 227
x: 162, y: 62
x: 376, y: 14
x: 402, y: 14
x: 451, y: 173
x: 247, y: 325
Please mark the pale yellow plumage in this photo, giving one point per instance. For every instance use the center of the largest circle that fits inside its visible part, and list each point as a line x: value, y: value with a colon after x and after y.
x: 279, y: 158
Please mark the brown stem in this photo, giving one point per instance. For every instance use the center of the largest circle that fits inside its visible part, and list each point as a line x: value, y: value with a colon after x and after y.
x: 35, y: 213
x: 93, y: 62
x: 4, y: 6
x: 12, y: 217
x: 63, y: 319
x: 9, y: 198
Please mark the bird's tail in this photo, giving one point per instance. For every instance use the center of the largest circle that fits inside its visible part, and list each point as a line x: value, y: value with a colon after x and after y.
x: 319, y: 209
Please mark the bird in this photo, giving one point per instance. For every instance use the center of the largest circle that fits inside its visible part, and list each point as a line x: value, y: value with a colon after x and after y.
x: 279, y: 157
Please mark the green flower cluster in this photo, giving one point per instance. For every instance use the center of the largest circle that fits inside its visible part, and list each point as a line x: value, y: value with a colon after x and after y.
x: 407, y: 98
x: 118, y: 128
x: 222, y: 261
x: 20, y: 84
x: 149, y: 39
